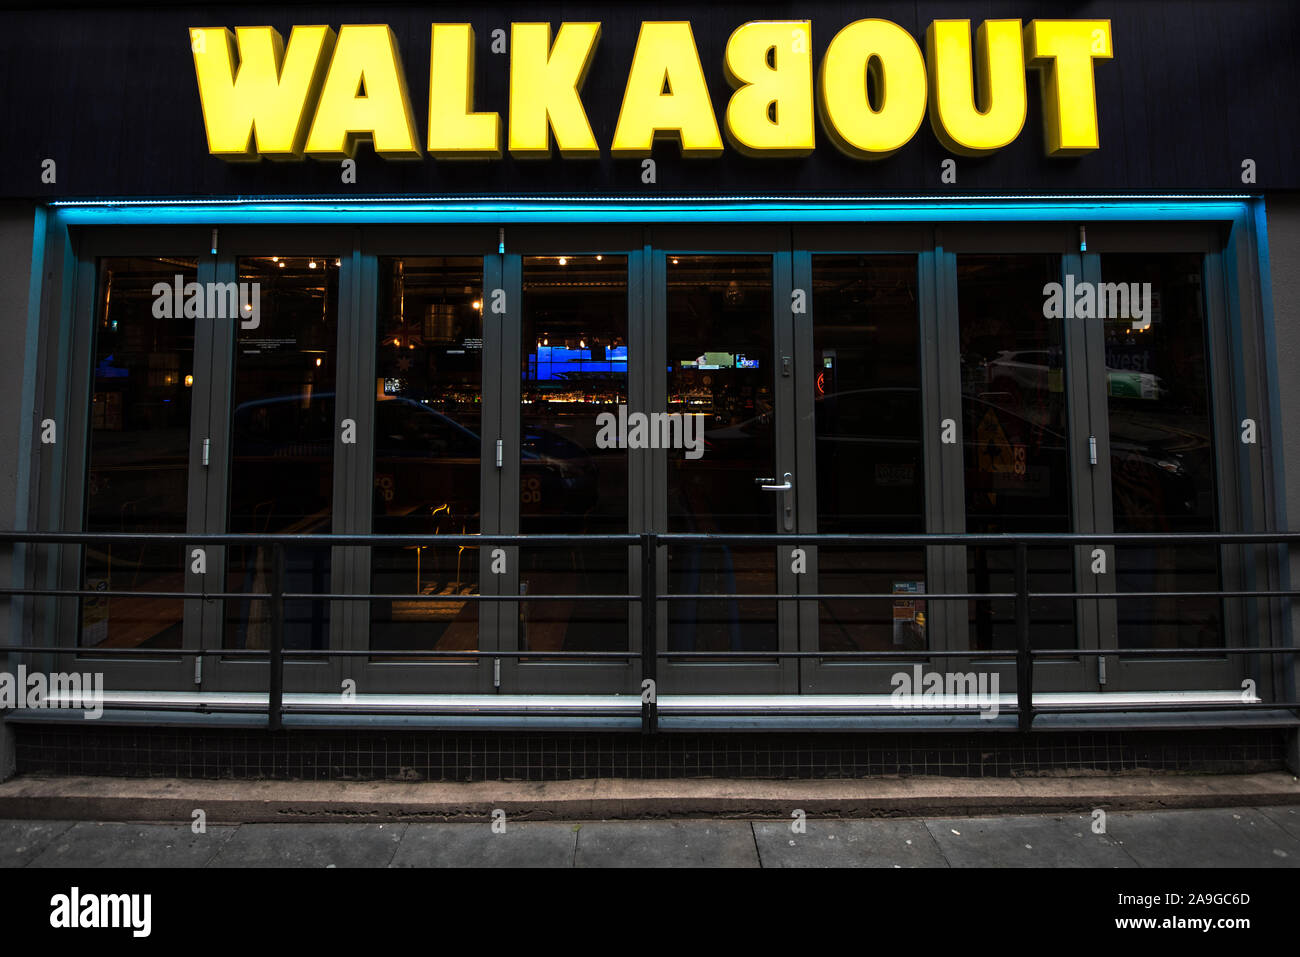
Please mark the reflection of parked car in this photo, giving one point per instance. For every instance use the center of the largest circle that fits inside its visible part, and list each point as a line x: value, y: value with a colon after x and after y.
x: 1017, y: 373
x: 426, y: 465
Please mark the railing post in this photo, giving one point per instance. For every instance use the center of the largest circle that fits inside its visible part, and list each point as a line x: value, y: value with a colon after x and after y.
x: 1024, y: 656
x: 649, y: 634
x: 275, y: 695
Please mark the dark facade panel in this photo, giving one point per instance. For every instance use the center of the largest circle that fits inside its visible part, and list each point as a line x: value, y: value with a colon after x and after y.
x: 1192, y: 91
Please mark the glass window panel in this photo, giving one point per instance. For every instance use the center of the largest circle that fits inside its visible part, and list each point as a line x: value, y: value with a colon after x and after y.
x: 866, y: 378
x: 138, y: 468
x: 1015, y: 430
x: 427, y: 451
x: 574, y: 378
x: 1161, y: 447
x: 720, y: 365
x: 283, y: 433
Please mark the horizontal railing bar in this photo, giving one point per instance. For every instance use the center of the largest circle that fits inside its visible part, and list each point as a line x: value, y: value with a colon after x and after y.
x: 1118, y: 707
x: 178, y: 595
x: 674, y: 596
x: 1005, y: 539
x: 302, y: 596
x: 919, y: 654
x: 1165, y: 594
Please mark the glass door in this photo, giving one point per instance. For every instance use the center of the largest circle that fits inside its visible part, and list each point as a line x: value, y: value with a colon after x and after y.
x: 571, y: 380
x: 725, y: 369
x: 143, y: 348
x: 861, y: 404
x: 278, y: 443
x: 1168, y: 454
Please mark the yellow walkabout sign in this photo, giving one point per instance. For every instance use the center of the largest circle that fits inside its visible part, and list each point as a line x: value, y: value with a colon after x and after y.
x: 323, y: 92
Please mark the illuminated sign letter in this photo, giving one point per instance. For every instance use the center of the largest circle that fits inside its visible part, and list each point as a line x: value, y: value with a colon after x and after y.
x: 770, y: 65
x: 962, y: 124
x: 666, y: 94
x: 1063, y: 51
x: 872, y: 56
x: 455, y: 130
x: 267, y: 101
x: 365, y: 56
x: 544, y: 85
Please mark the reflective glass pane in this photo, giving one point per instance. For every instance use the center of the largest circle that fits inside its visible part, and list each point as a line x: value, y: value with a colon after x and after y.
x: 866, y: 378
x: 427, y: 448
x: 720, y: 366
x: 138, y: 471
x: 1161, y: 445
x: 1017, y: 461
x: 283, y: 433
x: 573, y: 467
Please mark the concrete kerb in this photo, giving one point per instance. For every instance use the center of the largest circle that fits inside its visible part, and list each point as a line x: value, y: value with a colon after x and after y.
x: 235, y: 802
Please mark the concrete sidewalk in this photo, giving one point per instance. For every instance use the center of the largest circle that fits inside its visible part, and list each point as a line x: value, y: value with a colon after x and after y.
x: 1220, y: 837
x: 159, y: 800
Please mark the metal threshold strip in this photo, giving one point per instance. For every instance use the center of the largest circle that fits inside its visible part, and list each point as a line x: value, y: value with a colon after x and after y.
x: 883, y: 712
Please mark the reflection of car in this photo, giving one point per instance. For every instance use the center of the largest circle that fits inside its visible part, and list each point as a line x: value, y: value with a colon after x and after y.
x: 426, y: 464
x: 1018, y: 373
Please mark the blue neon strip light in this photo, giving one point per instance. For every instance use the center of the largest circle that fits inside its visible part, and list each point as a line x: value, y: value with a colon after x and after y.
x: 627, y: 210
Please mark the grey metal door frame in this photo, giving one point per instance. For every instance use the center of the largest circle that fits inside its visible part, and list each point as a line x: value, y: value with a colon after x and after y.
x: 538, y: 676
x: 68, y: 394
x: 1227, y: 341
x: 778, y: 676
x: 1061, y: 239
x: 376, y: 675
x: 320, y: 674
x: 820, y: 676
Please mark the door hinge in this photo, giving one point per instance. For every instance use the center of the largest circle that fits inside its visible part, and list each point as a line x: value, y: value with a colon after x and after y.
x: 207, y: 447
x: 198, y: 669
x: 1101, y: 669
x: 1092, y: 450
x: 500, y: 454
x: 496, y: 672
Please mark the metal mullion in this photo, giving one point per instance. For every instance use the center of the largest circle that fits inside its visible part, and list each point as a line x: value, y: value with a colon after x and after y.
x: 786, y: 455
x: 1237, y: 472
x: 1085, y: 362
x: 654, y: 363
x: 639, y: 487
x: 945, y: 464
x: 805, y: 441
x: 198, y: 511
x: 220, y: 399
x: 510, y: 329
x: 350, y: 621
x: 62, y: 468
x: 491, y: 485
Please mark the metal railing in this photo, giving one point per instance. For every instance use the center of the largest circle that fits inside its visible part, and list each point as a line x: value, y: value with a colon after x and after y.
x: 650, y: 597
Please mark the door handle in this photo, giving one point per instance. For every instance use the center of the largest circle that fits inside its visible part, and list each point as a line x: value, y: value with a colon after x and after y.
x: 783, y: 487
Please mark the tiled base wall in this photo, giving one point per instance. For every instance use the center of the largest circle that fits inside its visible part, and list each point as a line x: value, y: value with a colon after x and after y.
x: 556, y: 756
